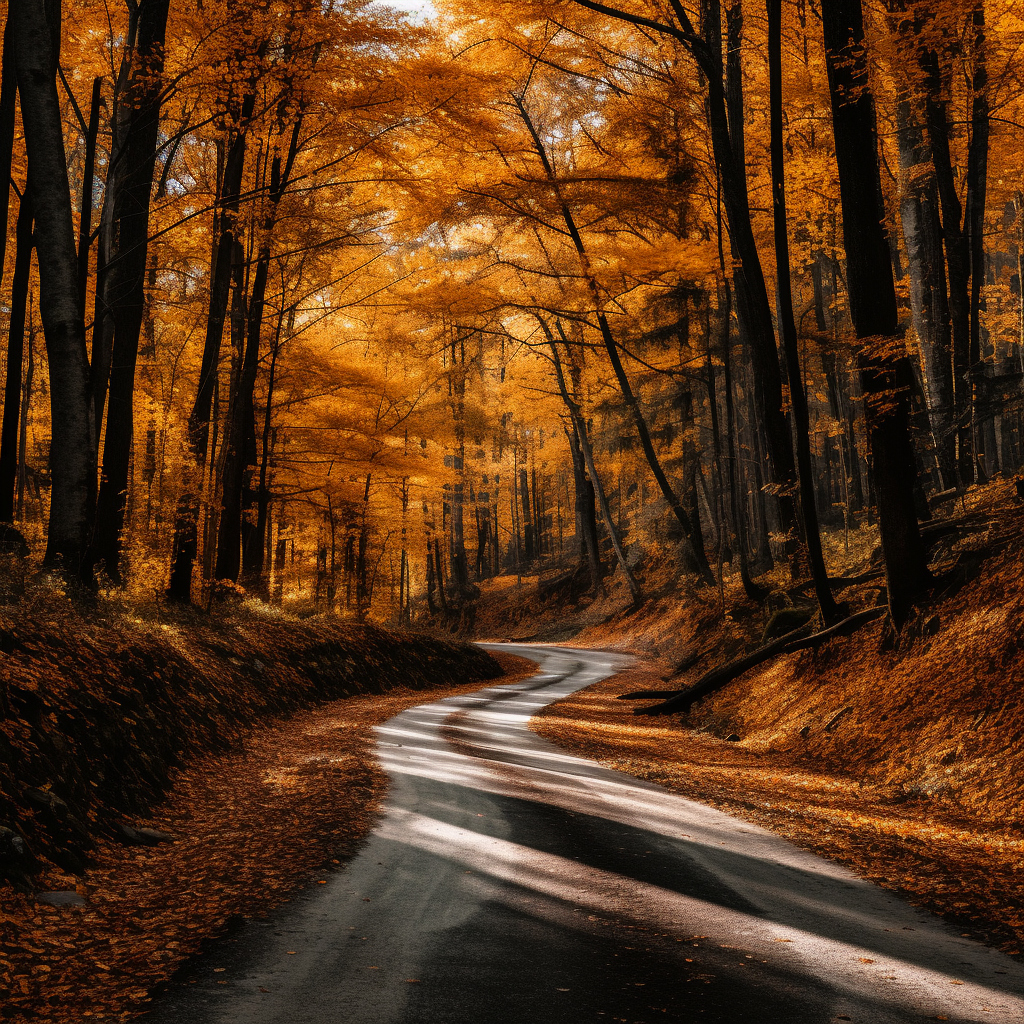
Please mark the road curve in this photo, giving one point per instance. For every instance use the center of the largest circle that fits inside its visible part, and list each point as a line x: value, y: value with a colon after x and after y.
x: 511, y: 883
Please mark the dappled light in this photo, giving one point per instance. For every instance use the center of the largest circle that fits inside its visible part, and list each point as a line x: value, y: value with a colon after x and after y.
x: 552, y: 468
x: 834, y: 920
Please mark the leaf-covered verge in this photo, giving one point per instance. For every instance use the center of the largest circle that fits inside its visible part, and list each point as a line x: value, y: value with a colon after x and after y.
x: 95, y: 710
x: 252, y: 828
x: 267, y: 776
x: 907, y: 764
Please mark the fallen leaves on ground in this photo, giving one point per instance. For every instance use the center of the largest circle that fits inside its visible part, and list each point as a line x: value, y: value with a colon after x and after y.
x: 905, y: 761
x: 966, y: 867
x: 249, y: 828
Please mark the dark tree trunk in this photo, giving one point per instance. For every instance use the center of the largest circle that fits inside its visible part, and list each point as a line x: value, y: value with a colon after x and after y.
x: 8, y: 108
x: 974, y: 215
x: 280, y: 552
x: 527, y: 519
x: 362, y: 591
x: 753, y: 309
x: 221, y: 273
x: 958, y: 258
x: 253, y: 552
x: 457, y: 551
x: 586, y: 511
x: 73, y: 444
x: 739, y: 518
x: 241, y: 452
x: 9, y: 432
x: 241, y: 439
x: 26, y: 400
x: 126, y: 279
x: 929, y: 305
x: 121, y: 111
x: 734, y: 78
x: 883, y: 360
x: 787, y: 323
x: 591, y: 482
x: 88, y: 177
x: 442, y: 592
x: 690, y: 464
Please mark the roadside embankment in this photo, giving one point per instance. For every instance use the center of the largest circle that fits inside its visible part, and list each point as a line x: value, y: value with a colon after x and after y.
x: 190, y: 771
x: 904, y: 760
x: 96, y: 710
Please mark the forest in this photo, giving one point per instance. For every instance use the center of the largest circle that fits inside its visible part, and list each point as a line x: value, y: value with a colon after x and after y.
x: 657, y: 365
x: 354, y: 309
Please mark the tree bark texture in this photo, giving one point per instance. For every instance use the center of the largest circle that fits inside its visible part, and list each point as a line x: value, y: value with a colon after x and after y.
x: 8, y: 107
x: 126, y: 278
x: 929, y: 304
x: 787, y: 323
x: 9, y: 433
x: 73, y: 445
x: 883, y: 361
x: 221, y: 273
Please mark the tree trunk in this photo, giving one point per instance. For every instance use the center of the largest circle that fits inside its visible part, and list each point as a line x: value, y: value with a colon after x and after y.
x: 88, y: 177
x: 238, y: 494
x: 9, y: 433
x: 958, y: 259
x: 8, y: 108
x: 73, y: 444
x: 457, y: 550
x: 26, y: 399
x: 121, y: 112
x: 586, y: 511
x: 254, y: 550
x: 221, y: 273
x: 442, y: 591
x: 753, y: 309
x: 883, y: 360
x: 787, y: 323
x: 929, y: 305
x: 524, y: 498
x: 126, y: 279
x: 974, y: 215
x: 580, y: 433
x: 586, y: 496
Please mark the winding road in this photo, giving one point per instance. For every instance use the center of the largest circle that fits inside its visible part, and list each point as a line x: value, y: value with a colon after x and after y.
x: 509, y: 882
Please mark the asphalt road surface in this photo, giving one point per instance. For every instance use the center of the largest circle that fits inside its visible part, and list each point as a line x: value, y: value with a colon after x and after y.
x: 511, y: 883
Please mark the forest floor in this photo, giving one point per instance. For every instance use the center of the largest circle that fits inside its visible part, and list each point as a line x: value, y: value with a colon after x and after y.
x: 269, y: 784
x: 903, y: 760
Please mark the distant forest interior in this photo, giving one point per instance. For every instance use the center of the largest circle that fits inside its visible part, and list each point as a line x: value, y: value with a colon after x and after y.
x: 347, y: 309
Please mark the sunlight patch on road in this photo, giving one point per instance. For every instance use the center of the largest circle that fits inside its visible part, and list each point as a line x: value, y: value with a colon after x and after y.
x: 607, y: 894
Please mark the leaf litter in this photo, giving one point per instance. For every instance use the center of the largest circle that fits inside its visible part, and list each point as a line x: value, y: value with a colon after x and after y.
x: 249, y: 827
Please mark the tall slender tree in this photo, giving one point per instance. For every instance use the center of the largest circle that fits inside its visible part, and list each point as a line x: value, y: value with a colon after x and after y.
x: 35, y: 32
x: 884, y: 368
x: 126, y: 276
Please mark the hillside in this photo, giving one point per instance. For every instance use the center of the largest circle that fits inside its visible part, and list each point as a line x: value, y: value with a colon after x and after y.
x: 903, y: 759
x: 165, y: 776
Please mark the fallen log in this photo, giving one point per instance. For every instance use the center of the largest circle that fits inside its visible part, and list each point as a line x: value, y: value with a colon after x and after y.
x: 847, y: 627
x: 647, y: 694
x: 796, y: 640
x: 838, y: 583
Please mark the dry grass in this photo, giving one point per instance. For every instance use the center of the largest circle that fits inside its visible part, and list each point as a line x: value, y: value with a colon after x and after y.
x: 249, y: 828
